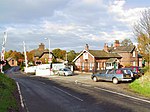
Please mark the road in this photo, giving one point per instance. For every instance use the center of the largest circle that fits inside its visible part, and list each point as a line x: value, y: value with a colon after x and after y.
x: 53, y: 95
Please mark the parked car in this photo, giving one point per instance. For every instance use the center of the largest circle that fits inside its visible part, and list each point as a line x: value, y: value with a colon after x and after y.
x: 113, y: 75
x: 137, y: 70
x: 65, y: 72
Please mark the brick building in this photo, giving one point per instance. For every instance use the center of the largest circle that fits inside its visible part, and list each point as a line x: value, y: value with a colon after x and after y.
x: 42, y: 54
x: 12, y: 61
x: 129, y: 54
x: 95, y: 60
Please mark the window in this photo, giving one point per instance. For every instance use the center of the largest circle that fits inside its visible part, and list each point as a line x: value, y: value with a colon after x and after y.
x: 82, y: 66
x: 111, y: 72
x: 118, y: 72
x: 133, y: 54
x: 98, y: 66
x: 134, y: 63
x: 91, y: 65
x: 85, y: 55
x: 108, y: 64
x: 13, y: 62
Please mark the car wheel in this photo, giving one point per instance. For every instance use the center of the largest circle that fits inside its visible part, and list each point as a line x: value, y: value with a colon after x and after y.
x: 115, y: 80
x: 95, y: 79
x: 58, y: 74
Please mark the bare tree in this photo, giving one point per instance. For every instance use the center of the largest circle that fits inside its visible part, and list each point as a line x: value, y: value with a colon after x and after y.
x: 142, y: 32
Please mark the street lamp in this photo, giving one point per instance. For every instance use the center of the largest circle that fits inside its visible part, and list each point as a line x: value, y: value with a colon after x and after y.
x: 49, y: 57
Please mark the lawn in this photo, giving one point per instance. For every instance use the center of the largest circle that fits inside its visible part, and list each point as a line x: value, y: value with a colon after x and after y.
x: 8, y: 102
x: 142, y: 85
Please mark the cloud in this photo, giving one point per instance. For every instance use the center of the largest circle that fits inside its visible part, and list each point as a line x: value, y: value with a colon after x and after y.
x: 28, y: 11
x: 128, y: 16
x: 68, y: 23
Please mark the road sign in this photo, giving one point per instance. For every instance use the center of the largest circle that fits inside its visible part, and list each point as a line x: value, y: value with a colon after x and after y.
x: 38, y: 62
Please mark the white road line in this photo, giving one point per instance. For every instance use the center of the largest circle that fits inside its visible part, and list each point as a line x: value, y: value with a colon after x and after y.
x: 42, y: 82
x: 87, y: 85
x: 23, y: 104
x: 21, y: 98
x: 68, y: 93
x: 147, y: 101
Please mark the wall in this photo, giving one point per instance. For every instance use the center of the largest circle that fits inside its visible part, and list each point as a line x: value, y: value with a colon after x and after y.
x: 85, y: 64
x: 13, y: 62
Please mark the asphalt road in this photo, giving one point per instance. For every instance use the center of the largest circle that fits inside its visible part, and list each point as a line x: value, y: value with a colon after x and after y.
x: 46, y: 95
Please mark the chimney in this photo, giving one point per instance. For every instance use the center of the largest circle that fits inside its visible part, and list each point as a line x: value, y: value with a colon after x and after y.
x: 41, y: 47
x: 87, y: 47
x: 116, y: 43
x: 105, y: 47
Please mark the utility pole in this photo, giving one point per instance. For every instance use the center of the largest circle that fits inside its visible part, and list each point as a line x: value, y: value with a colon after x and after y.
x: 49, y: 56
x: 3, y: 51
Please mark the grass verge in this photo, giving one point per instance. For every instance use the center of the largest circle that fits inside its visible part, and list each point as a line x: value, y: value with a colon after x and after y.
x: 142, y: 85
x: 8, y: 102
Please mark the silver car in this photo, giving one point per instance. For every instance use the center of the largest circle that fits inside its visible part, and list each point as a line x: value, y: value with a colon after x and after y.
x: 114, y: 75
x: 65, y: 72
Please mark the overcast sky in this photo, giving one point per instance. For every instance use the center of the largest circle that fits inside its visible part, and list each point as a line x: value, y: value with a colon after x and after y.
x: 69, y: 24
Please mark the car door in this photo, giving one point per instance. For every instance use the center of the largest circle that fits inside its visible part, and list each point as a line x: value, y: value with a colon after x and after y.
x: 61, y: 72
x: 109, y: 75
x: 100, y: 76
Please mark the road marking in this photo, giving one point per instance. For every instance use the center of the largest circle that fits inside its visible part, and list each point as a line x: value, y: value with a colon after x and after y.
x: 121, y: 94
x: 87, y: 85
x: 21, y: 98
x: 68, y: 93
x: 42, y: 82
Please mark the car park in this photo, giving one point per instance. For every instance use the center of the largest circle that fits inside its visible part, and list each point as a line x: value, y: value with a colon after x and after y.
x: 64, y: 72
x: 114, y: 75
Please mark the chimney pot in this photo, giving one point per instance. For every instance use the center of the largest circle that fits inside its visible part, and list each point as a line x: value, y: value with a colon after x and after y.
x: 87, y: 47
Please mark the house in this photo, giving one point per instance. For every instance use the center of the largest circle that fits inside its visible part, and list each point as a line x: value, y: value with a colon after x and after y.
x: 12, y: 61
x: 42, y: 54
x: 129, y: 54
x: 115, y: 56
x: 94, y: 60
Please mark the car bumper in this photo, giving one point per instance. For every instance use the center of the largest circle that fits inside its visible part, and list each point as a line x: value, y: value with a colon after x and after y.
x: 125, y: 80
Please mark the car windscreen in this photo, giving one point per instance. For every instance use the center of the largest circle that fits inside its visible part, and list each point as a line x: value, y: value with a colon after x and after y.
x: 66, y: 69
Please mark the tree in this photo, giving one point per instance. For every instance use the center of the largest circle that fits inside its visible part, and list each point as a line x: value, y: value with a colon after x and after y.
x: 71, y: 56
x: 126, y: 42
x: 142, y: 32
x: 58, y: 53
x: 8, y: 53
x: 30, y: 56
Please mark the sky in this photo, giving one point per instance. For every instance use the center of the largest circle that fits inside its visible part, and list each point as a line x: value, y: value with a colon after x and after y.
x: 68, y: 24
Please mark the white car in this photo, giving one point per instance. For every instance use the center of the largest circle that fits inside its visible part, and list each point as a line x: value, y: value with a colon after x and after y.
x: 65, y: 72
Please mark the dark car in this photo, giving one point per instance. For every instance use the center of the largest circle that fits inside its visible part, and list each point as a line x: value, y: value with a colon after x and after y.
x: 137, y: 70
x: 114, y: 75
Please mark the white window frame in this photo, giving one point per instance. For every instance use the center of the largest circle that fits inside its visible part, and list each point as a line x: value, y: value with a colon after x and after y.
x: 91, y: 66
x: 133, y: 54
x: 83, y: 66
